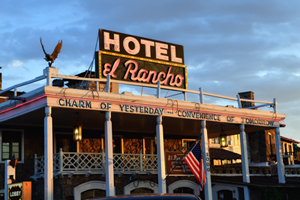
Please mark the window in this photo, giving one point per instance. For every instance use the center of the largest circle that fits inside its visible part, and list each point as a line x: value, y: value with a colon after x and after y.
x: 141, y: 191
x: 93, y: 193
x: 185, y: 190
x: 215, y: 140
x: 149, y: 146
x: 11, y: 142
x: 187, y: 144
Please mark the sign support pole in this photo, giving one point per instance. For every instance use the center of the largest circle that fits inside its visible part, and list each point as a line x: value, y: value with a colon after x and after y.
x: 160, y: 156
x: 206, y: 161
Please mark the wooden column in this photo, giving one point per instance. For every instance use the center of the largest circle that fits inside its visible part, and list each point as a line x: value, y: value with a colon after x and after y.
x: 109, y: 166
x: 280, y: 166
x: 244, y: 151
x: 206, y: 163
x: 48, y: 153
x: 160, y: 156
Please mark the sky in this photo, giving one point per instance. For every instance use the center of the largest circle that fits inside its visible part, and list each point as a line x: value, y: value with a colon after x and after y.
x: 229, y: 46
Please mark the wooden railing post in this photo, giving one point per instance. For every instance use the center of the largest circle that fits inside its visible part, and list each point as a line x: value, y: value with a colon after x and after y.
x: 141, y: 161
x: 103, y: 159
x: 35, y: 164
x: 61, y: 160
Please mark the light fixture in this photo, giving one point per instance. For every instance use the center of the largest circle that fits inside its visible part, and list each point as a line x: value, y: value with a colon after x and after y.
x: 223, y: 138
x: 77, y: 129
x: 13, y: 161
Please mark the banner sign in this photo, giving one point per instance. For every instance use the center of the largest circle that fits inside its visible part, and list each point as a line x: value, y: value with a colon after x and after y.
x: 131, y: 58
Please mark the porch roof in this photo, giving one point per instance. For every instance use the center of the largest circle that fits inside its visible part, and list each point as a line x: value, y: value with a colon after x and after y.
x: 31, y: 112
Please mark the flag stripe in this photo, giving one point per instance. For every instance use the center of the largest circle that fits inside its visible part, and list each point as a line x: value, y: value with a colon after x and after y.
x: 195, y: 162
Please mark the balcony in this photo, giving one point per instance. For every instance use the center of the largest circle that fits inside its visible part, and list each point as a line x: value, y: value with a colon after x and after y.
x: 73, y: 163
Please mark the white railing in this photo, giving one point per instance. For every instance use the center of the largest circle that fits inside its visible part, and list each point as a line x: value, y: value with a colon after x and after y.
x: 52, y: 72
x: 69, y: 163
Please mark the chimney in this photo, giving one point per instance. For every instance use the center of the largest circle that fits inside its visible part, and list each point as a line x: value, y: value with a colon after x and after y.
x: 247, y: 95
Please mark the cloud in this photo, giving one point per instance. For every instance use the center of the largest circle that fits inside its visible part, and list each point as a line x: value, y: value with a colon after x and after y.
x: 229, y: 46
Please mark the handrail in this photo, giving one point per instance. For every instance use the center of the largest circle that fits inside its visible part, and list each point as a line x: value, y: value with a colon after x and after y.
x: 158, y: 87
x: 77, y: 162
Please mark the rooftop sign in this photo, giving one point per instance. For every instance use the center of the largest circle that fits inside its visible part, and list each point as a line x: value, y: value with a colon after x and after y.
x: 131, y: 58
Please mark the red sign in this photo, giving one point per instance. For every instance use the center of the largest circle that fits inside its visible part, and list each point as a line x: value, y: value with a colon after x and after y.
x: 175, y: 164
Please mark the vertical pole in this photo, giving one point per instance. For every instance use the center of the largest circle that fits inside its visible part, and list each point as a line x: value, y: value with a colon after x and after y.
x: 201, y: 96
x: 97, y: 85
x: 246, y: 193
x: 9, y: 171
x: 158, y: 90
x: 35, y: 164
x: 48, y: 81
x: 141, y: 161
x: 206, y: 163
x: 15, y: 92
x: 239, y: 101
x: 61, y: 160
x: 275, y: 105
x: 109, y: 158
x: 108, y: 83
x: 160, y: 156
x: 280, y: 166
x: 185, y: 96
x: 245, y: 164
x: 48, y: 153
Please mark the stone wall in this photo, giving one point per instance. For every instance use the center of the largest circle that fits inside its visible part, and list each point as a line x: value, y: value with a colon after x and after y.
x: 91, y: 145
x: 261, y: 148
x: 131, y: 146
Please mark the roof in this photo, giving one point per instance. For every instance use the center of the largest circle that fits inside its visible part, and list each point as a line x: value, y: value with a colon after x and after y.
x: 288, y: 140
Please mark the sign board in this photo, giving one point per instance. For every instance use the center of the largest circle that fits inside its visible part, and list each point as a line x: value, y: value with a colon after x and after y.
x: 167, y: 110
x: 19, y: 191
x: 131, y: 58
x: 175, y: 164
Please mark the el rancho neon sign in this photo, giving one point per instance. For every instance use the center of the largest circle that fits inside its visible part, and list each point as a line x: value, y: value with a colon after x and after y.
x: 130, y: 58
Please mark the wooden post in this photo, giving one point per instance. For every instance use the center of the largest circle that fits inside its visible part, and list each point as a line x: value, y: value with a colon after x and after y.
x: 109, y: 158
x: 160, y: 156
x: 48, y: 152
x: 280, y: 166
x: 205, y: 157
x: 245, y: 163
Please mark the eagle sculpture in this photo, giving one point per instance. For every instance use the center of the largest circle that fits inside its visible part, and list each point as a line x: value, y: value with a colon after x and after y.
x: 50, y: 58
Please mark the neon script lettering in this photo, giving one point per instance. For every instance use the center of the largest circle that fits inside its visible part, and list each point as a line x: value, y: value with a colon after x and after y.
x: 144, y: 75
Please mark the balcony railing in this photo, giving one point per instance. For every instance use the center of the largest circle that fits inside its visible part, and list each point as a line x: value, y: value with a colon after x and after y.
x: 69, y: 163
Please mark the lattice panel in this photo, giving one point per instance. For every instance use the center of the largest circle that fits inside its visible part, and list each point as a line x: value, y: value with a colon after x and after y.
x: 82, y: 161
x: 126, y: 162
x: 85, y: 162
x: 150, y: 162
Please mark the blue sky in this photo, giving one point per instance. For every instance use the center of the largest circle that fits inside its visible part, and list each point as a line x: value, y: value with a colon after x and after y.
x: 229, y: 46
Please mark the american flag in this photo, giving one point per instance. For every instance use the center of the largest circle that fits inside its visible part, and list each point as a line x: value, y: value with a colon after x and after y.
x: 195, y: 162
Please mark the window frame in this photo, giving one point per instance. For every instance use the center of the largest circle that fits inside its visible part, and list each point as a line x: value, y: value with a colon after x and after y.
x: 186, y: 140
x: 21, y: 143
